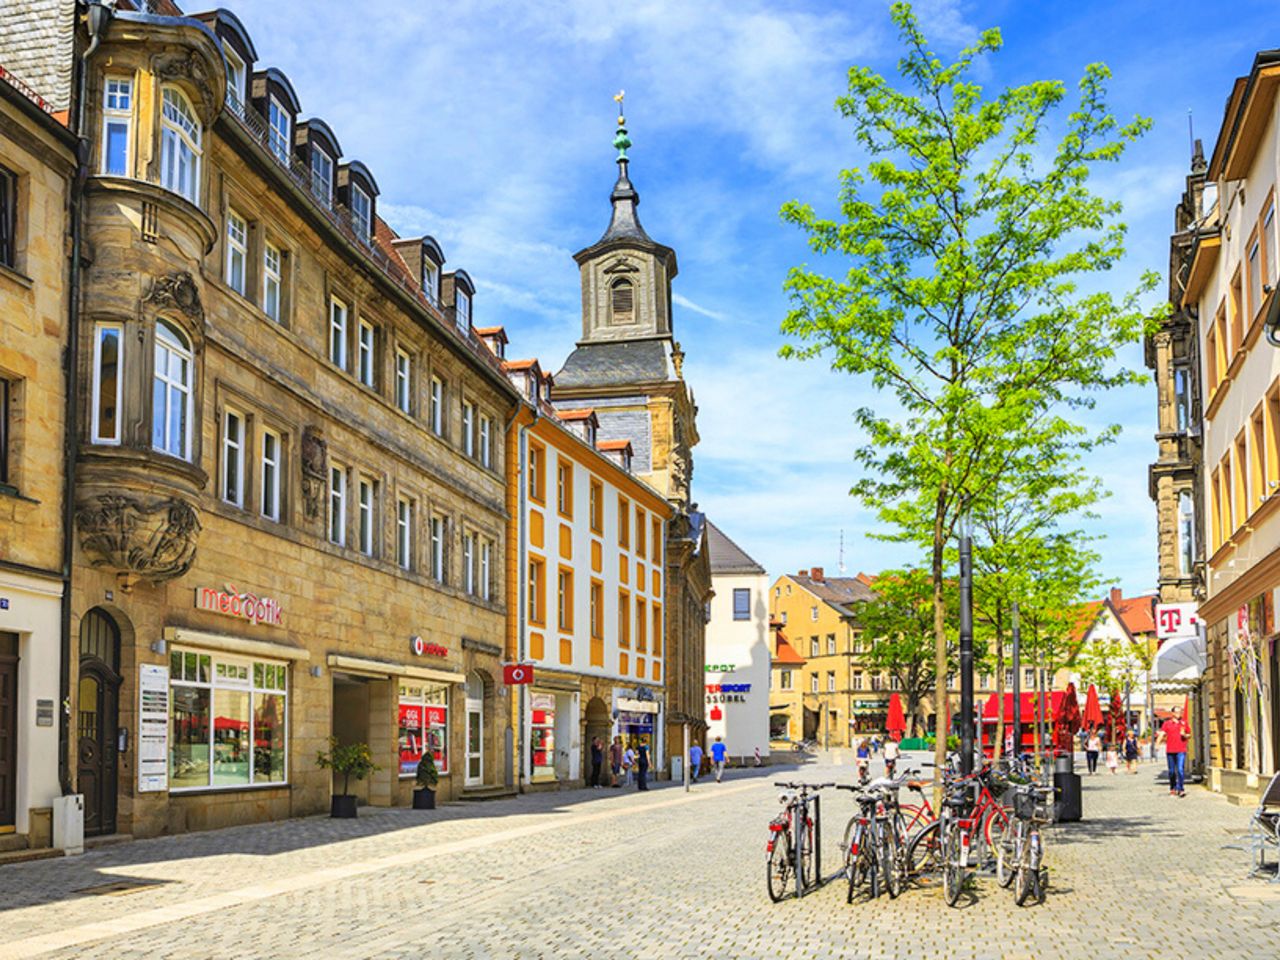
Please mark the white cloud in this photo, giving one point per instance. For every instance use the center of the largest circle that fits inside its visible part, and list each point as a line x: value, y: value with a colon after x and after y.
x: 681, y: 300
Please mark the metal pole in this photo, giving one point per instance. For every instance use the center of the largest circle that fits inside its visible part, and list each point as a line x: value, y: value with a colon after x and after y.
x: 966, y: 646
x: 1017, y: 684
x: 685, y: 763
x: 1041, y: 696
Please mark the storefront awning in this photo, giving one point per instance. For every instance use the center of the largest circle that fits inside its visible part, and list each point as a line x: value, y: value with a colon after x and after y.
x: 384, y: 669
x: 1181, y: 658
x: 637, y: 706
x: 240, y: 645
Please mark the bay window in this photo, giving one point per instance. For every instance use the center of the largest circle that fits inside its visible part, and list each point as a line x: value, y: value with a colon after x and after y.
x: 424, y: 725
x: 108, y: 344
x: 269, y: 478
x: 278, y: 130
x: 180, y: 149
x: 117, y: 125
x: 237, y: 251
x: 233, y: 457
x: 226, y: 721
x: 338, y: 505
x: 171, y: 393
x: 271, y: 277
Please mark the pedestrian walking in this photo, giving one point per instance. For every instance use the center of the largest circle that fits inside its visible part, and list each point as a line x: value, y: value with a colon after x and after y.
x: 1131, y: 753
x: 718, y: 753
x: 1093, y: 747
x: 1113, y: 759
x: 759, y: 762
x: 629, y: 764
x: 597, y: 761
x: 891, y: 754
x: 615, y: 762
x: 1175, y: 732
x: 642, y: 766
x: 695, y: 761
x: 864, y: 759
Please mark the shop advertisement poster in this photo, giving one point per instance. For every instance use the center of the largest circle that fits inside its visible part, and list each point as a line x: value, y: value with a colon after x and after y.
x: 153, y: 727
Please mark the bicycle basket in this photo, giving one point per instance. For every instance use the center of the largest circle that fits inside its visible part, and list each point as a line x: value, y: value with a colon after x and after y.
x: 1024, y: 804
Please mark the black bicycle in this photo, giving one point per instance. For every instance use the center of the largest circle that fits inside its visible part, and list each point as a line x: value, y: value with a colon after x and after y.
x: 1020, y: 850
x: 791, y: 841
x: 873, y: 846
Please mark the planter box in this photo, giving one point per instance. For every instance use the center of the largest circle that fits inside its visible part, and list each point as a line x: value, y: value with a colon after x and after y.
x: 424, y: 799
x: 343, y: 807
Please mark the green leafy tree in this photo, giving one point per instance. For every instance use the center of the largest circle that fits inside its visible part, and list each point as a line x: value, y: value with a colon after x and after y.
x: 969, y: 246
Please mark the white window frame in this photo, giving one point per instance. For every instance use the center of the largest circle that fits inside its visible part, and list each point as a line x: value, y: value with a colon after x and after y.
x: 1254, y: 277
x: 337, y: 504
x: 173, y: 387
x: 813, y: 682
x: 272, y: 279
x: 269, y: 474
x: 486, y: 442
x: 404, y: 532
x: 404, y: 380
x: 233, y: 448
x: 99, y: 330
x: 813, y: 613
x: 785, y: 680
x: 237, y: 72
x: 1269, y: 242
x: 831, y: 681
x: 117, y: 111
x: 180, y: 144
x: 237, y: 251
x: 339, y: 314
x: 431, y: 280
x: 366, y: 338
x: 362, y: 212
x: 468, y: 428
x: 468, y: 564
x: 322, y: 175
x: 486, y: 569
x: 831, y: 644
x: 462, y: 309
x: 278, y: 138
x: 745, y: 593
x: 1186, y: 533
x: 437, y: 548
x: 367, y: 492
x: 437, y: 406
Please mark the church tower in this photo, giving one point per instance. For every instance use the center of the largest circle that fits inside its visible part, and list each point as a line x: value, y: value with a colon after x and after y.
x: 628, y: 366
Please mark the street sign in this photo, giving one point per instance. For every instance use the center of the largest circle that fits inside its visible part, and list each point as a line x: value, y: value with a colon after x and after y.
x: 515, y: 674
x: 1176, y: 620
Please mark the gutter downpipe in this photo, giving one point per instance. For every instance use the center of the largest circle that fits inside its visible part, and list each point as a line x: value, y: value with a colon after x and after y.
x: 522, y: 566
x: 97, y: 17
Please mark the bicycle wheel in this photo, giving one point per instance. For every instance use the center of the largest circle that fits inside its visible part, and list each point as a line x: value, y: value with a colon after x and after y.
x: 846, y: 844
x: 1024, y: 884
x: 892, y: 848
x: 952, y: 872
x: 1005, y: 842
x: 779, y: 866
x: 855, y: 872
x: 804, y: 858
x: 1040, y: 876
x: 923, y: 851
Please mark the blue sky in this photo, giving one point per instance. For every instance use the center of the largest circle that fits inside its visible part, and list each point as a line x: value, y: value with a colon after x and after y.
x: 488, y: 125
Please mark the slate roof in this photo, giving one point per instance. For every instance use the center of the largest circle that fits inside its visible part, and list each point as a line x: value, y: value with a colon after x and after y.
x: 840, y: 592
x: 726, y: 556
x: 615, y: 364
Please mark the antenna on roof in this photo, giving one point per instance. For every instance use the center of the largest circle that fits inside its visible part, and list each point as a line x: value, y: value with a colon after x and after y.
x: 841, y: 552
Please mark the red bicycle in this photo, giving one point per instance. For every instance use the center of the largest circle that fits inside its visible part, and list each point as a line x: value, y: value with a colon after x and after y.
x: 982, y: 829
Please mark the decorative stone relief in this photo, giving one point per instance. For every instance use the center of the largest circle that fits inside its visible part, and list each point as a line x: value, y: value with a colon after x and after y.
x: 177, y: 290
x: 177, y: 66
x: 144, y: 539
x: 315, y: 452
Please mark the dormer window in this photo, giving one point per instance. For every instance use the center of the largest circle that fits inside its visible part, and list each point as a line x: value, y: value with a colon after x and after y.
x: 235, y: 78
x: 278, y: 122
x: 590, y: 431
x: 431, y: 280
x: 362, y: 213
x: 180, y: 136
x: 463, y: 309
x: 322, y: 176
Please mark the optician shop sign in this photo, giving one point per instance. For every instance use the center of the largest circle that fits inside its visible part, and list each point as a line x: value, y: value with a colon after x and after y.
x: 231, y: 602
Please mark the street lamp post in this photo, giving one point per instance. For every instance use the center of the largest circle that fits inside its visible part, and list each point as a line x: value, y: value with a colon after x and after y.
x: 1017, y: 684
x: 966, y: 644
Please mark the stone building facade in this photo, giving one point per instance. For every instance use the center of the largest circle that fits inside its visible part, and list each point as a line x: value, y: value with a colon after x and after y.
x: 37, y: 167
x: 290, y: 503
x: 628, y: 368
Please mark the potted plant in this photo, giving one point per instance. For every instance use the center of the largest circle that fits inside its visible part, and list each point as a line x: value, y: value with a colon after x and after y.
x: 425, y: 781
x: 350, y: 760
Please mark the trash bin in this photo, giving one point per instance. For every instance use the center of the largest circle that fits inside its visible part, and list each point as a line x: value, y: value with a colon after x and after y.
x: 1068, y: 804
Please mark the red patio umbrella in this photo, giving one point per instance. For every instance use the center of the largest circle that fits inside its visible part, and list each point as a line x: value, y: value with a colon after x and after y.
x: 897, y: 723
x: 1066, y: 720
x: 1116, y: 718
x: 1092, y: 708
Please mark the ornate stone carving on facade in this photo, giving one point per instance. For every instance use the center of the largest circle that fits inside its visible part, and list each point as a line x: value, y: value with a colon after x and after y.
x: 681, y: 461
x: 143, y: 539
x: 315, y: 451
x: 179, y: 66
x: 177, y: 290
x: 677, y: 359
x: 1162, y: 338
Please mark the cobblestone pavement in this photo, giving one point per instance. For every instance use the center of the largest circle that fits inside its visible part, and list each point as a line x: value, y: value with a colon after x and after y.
x: 618, y: 874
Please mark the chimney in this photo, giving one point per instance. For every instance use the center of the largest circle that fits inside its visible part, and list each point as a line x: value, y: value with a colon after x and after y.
x: 816, y: 574
x: 1115, y: 595
x: 803, y: 573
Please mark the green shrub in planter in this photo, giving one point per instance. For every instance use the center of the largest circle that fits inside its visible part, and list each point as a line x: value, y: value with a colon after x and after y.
x: 349, y: 760
x: 426, y: 780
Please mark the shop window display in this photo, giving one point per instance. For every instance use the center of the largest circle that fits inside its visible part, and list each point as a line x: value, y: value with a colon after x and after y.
x: 542, y: 734
x: 424, y: 724
x: 226, y: 721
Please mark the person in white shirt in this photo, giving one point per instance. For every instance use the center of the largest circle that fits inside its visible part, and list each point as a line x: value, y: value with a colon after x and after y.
x: 891, y: 753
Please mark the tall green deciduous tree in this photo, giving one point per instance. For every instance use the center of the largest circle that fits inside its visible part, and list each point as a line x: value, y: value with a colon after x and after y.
x: 964, y: 244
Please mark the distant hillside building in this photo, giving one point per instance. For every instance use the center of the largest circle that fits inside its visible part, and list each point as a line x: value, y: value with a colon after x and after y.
x: 737, y: 668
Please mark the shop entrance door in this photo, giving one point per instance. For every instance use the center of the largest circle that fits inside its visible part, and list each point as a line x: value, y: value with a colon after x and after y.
x: 475, y: 731
x: 8, y: 731
x: 97, y: 721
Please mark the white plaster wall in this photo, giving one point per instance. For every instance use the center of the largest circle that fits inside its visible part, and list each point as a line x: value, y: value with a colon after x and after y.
x: 744, y: 645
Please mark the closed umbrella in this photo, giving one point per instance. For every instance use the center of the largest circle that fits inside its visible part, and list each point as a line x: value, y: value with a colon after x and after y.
x: 1116, y: 718
x: 1092, y: 709
x: 896, y: 723
x: 1066, y: 720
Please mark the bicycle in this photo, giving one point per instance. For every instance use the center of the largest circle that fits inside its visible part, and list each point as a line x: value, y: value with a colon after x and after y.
x: 790, y: 847
x: 1020, y: 859
x: 987, y: 822
x: 875, y: 839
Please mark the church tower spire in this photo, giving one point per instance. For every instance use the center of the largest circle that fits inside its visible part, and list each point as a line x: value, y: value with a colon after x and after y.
x: 625, y: 222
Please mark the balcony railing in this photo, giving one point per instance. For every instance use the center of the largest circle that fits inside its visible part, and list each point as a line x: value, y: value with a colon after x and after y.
x: 21, y: 86
x: 340, y: 217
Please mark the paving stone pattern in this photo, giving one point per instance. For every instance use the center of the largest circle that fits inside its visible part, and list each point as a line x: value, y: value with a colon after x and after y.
x: 619, y: 874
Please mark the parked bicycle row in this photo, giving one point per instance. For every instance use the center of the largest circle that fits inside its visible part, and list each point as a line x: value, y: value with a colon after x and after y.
x: 993, y: 820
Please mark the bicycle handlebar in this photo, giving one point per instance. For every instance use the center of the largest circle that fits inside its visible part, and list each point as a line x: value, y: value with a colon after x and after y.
x: 788, y: 785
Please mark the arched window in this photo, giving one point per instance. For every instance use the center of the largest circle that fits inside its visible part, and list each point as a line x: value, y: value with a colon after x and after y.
x: 622, y: 301
x: 171, y: 393
x: 180, y: 146
x: 100, y: 638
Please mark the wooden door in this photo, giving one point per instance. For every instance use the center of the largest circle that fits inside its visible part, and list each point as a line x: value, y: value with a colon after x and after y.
x: 96, y: 727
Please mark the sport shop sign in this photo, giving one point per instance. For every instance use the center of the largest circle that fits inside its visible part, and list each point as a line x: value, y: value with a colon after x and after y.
x: 230, y: 602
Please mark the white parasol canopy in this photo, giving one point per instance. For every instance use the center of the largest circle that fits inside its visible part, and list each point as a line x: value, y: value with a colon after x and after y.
x: 1180, y: 658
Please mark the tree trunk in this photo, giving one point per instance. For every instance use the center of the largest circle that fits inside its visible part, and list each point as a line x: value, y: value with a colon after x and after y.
x: 940, y: 647
x: 997, y: 748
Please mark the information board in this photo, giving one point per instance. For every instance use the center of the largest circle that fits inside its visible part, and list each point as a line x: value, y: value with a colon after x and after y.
x: 153, y: 727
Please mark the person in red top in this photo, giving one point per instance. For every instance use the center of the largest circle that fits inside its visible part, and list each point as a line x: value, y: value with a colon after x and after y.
x: 1175, y: 733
